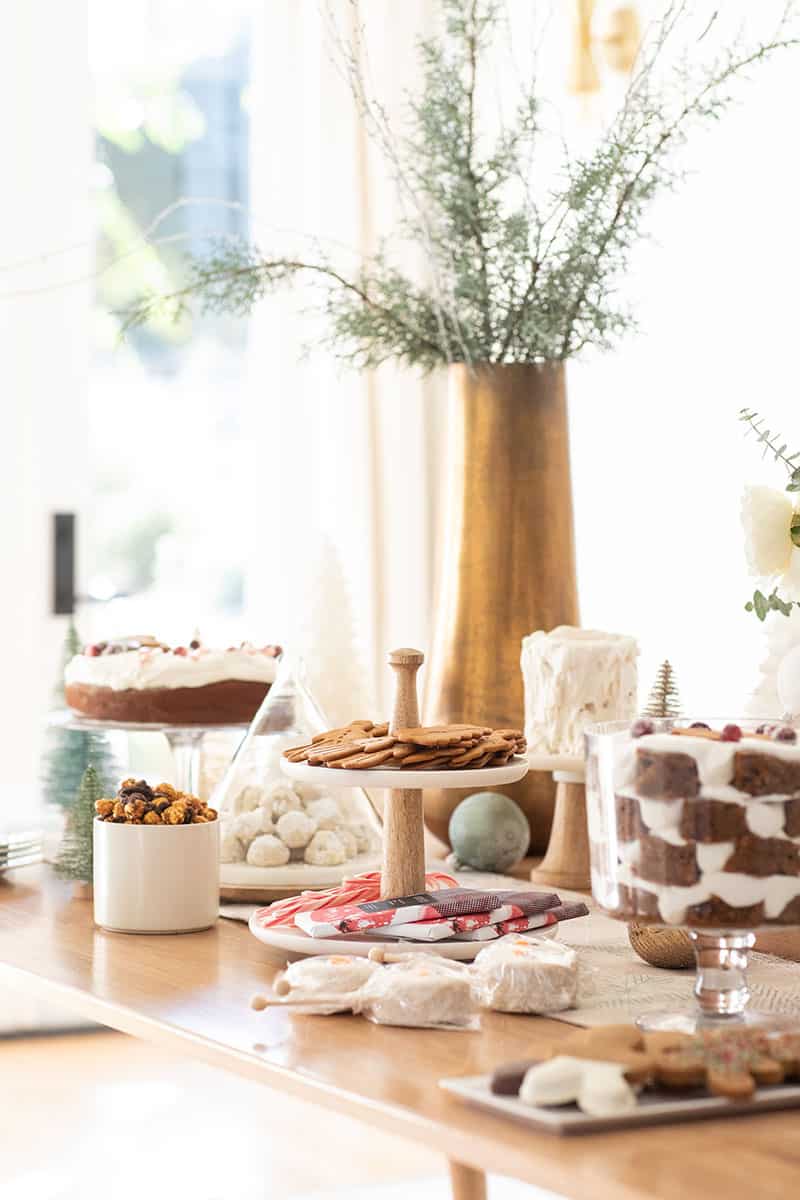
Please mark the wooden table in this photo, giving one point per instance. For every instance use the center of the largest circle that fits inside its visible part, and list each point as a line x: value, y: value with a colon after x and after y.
x: 191, y: 992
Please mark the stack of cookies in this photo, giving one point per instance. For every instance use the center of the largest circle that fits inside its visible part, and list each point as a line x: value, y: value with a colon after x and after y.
x: 362, y: 745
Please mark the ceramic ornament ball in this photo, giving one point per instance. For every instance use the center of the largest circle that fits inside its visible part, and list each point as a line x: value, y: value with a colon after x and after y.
x: 489, y: 832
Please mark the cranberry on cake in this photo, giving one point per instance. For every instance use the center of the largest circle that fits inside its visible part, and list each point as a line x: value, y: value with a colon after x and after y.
x: 140, y: 679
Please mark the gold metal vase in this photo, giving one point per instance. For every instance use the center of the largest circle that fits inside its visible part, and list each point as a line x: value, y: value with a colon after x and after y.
x: 509, y: 558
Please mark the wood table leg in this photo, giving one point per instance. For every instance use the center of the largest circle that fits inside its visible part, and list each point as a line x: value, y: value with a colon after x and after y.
x: 467, y: 1183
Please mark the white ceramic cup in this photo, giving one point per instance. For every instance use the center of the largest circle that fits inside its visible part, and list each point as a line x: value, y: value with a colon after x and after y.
x: 156, y: 878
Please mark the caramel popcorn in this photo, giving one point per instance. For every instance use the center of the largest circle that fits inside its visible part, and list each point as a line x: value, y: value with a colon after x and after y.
x: 136, y: 803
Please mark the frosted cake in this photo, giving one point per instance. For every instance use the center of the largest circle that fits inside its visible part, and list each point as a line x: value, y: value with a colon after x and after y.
x: 574, y: 678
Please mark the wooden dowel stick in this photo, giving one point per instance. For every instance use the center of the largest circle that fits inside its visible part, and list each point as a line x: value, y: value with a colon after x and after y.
x: 403, y: 826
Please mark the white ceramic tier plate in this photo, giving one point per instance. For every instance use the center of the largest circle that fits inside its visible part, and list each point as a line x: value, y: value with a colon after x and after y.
x: 298, y: 875
x: 482, y: 777
x: 294, y: 941
x: 654, y: 1108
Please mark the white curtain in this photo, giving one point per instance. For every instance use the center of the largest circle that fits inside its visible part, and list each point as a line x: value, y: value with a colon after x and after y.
x: 44, y: 344
x: 346, y: 467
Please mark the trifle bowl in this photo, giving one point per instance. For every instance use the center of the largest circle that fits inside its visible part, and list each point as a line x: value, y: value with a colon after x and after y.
x: 695, y: 824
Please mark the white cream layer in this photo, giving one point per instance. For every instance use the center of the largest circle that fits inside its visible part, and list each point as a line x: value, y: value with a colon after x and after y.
x: 740, y: 891
x: 153, y: 668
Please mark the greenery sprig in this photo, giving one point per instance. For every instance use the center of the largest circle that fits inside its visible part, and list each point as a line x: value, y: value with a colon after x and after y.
x: 760, y: 604
x: 518, y: 268
x: 771, y: 445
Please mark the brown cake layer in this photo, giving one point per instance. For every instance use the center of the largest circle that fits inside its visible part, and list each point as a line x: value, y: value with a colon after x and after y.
x: 661, y: 862
x: 228, y: 702
x: 716, y: 912
x: 765, y: 774
x: 713, y: 821
x: 630, y: 825
x: 635, y: 904
x: 764, y: 856
x: 791, y: 824
x: 666, y: 776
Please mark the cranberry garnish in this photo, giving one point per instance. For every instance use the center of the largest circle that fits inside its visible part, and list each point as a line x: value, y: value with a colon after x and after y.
x: 699, y: 725
x: 731, y: 733
x: 785, y: 734
x: 641, y: 727
x: 92, y: 651
x: 181, y: 650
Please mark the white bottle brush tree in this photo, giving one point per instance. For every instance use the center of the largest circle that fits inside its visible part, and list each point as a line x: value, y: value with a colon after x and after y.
x: 75, y: 858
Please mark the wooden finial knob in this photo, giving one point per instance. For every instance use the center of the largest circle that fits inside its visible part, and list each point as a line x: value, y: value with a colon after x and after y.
x: 406, y: 658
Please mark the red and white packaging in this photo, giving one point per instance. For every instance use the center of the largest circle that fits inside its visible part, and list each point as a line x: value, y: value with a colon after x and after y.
x: 377, y: 914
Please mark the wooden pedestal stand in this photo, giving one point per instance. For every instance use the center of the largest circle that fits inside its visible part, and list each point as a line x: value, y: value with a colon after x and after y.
x: 566, y: 863
x: 403, y: 825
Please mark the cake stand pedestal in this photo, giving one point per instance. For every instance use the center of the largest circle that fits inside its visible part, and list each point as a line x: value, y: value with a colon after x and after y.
x: 403, y: 871
x: 566, y: 863
x: 185, y: 741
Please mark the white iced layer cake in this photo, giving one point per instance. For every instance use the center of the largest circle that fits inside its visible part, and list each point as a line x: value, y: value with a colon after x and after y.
x: 574, y: 678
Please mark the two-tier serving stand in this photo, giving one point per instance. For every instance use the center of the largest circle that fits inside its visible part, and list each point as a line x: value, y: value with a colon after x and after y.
x: 403, y: 825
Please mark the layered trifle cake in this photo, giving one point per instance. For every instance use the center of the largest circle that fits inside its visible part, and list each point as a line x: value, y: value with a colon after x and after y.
x: 705, y: 828
x: 146, y: 681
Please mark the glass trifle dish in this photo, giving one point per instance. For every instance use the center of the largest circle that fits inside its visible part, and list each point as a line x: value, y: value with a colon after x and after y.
x: 696, y: 824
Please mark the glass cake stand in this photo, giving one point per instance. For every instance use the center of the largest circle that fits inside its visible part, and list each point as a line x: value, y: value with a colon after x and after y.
x: 185, y: 741
x: 683, y: 865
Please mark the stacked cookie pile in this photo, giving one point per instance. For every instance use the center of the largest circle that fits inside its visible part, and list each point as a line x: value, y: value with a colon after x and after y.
x: 362, y: 745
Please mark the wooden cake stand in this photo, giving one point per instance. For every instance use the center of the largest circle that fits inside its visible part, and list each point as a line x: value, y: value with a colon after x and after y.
x: 566, y: 863
x: 403, y: 871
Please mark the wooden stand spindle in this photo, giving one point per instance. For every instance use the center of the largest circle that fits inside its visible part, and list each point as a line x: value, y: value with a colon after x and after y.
x: 566, y: 863
x: 403, y: 826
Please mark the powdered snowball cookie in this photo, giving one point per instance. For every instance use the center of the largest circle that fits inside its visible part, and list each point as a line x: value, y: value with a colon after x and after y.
x: 348, y: 840
x: 325, y: 849
x: 325, y: 812
x: 249, y: 825
x: 231, y: 849
x: 268, y: 851
x: 365, y: 838
x: 295, y: 829
x: 248, y: 799
x: 282, y: 798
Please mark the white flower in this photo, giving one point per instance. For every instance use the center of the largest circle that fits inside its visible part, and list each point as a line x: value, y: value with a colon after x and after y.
x: 767, y: 518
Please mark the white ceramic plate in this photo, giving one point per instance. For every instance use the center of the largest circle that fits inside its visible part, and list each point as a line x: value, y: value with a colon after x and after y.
x: 654, y: 1108
x: 479, y: 779
x: 294, y: 941
x: 297, y: 875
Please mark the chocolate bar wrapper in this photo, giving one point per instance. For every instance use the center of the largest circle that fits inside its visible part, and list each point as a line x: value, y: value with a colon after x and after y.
x: 516, y: 904
x: 563, y: 912
x: 377, y: 914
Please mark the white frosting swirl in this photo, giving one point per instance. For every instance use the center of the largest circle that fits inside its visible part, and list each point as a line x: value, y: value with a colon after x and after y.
x: 151, y: 667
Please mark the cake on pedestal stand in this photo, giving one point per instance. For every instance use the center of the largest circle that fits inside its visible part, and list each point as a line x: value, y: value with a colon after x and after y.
x: 566, y: 863
x: 185, y: 741
x: 403, y: 871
